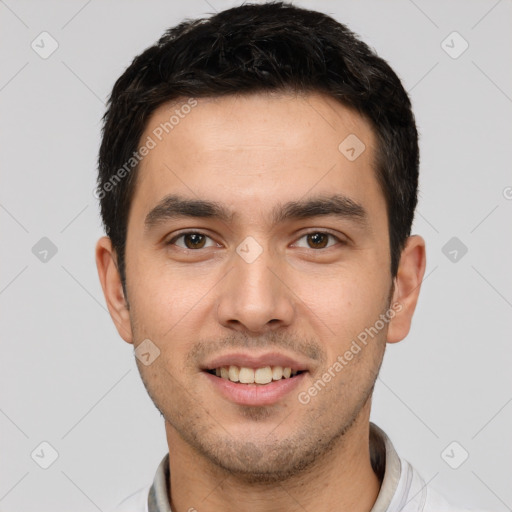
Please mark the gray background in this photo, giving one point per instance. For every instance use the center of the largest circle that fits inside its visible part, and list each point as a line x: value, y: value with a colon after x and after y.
x: 68, y: 379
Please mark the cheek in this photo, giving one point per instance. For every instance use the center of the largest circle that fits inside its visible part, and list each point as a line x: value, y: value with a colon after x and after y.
x: 170, y: 302
x: 343, y: 304
x: 153, y: 296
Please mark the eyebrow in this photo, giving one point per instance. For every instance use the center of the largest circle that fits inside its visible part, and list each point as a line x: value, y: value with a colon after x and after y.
x: 340, y: 206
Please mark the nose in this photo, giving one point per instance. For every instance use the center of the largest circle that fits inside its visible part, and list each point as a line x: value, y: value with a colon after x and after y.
x: 255, y: 297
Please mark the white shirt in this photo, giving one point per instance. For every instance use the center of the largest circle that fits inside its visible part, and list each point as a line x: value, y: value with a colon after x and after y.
x: 402, y: 489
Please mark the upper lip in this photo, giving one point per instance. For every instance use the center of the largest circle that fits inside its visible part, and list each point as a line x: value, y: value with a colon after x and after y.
x: 254, y: 361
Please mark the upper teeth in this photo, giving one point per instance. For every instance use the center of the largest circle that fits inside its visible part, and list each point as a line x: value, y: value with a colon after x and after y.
x: 246, y: 375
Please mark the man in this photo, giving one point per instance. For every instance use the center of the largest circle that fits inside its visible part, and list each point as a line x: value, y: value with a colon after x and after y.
x: 258, y: 178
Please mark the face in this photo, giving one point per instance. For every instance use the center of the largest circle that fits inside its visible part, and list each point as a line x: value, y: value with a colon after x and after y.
x: 258, y: 249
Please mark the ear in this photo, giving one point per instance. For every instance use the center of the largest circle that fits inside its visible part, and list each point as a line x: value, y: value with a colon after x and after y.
x: 407, y: 288
x: 106, y: 262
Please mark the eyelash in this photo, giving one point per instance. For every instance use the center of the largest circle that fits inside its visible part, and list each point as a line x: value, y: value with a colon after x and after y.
x: 185, y: 233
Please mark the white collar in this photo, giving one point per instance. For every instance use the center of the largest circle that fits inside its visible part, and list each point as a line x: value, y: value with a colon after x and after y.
x: 382, y: 453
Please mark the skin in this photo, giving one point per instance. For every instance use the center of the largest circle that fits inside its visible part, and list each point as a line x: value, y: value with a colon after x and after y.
x: 251, y: 153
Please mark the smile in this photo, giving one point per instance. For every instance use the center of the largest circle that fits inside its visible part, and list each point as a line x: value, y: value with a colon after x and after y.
x: 262, y: 376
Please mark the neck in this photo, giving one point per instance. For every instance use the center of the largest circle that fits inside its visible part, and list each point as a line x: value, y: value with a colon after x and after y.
x: 343, y: 480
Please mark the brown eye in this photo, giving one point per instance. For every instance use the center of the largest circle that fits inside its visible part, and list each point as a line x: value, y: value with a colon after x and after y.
x: 192, y: 240
x: 317, y: 240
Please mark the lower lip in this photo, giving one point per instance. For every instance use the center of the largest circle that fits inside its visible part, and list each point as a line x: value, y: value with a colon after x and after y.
x: 255, y: 394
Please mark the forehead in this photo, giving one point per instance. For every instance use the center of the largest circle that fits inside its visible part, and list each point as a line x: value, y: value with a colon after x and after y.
x: 264, y: 148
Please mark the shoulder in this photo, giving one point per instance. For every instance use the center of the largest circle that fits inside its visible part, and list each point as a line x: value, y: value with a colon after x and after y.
x: 437, y: 503
x: 403, y: 487
x: 136, y: 502
x: 418, y: 496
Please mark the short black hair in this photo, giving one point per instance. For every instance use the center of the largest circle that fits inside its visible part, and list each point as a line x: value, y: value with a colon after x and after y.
x: 255, y: 48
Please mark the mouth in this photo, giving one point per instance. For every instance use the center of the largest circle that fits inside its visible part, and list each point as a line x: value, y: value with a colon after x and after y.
x: 260, y: 376
x: 255, y: 380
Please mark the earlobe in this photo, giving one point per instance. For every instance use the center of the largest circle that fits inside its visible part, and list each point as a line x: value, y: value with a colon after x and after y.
x: 407, y: 288
x: 106, y: 263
